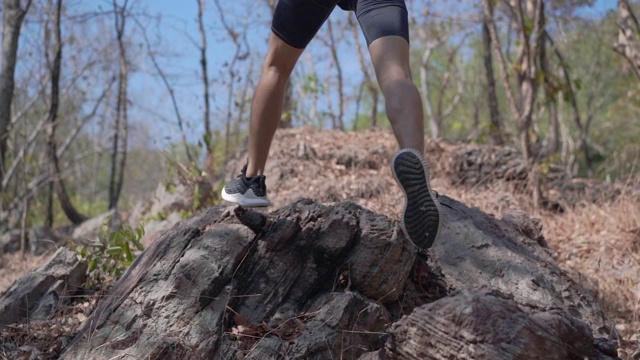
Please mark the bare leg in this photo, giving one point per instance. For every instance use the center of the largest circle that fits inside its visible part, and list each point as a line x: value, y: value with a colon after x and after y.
x: 268, y: 101
x: 390, y: 57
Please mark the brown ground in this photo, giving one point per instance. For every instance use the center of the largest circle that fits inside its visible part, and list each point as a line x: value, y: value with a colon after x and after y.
x: 598, y: 243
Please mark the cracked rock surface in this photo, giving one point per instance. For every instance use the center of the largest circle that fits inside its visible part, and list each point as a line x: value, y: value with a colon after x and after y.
x: 313, y: 281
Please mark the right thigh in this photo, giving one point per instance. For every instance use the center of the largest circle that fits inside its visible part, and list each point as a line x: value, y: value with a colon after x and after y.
x: 382, y: 18
x: 296, y: 22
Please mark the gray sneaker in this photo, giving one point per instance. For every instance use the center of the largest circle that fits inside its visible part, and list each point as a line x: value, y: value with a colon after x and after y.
x: 421, y: 218
x: 246, y: 192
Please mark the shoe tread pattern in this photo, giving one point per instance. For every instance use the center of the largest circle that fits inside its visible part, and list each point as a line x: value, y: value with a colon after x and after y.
x: 421, y: 217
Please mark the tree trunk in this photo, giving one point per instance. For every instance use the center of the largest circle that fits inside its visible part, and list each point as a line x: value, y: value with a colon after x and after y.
x: 172, y: 95
x: 369, y: 84
x: 495, y: 120
x: 435, y: 105
x: 242, y: 107
x: 13, y: 15
x: 333, y: 49
x: 552, y: 140
x: 573, y: 100
x: 527, y: 72
x: 424, y: 87
x: 530, y: 46
x: 502, y: 61
x: 375, y: 99
x: 205, y: 76
x: 286, y: 121
x: 56, y: 182
x: 628, y: 44
x: 209, y: 163
x: 119, y: 148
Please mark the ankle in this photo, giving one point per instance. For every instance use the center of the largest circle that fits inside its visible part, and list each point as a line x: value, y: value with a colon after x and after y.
x: 251, y: 172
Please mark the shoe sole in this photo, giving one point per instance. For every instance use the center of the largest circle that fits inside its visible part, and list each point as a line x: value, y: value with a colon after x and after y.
x: 421, y: 218
x: 244, y: 200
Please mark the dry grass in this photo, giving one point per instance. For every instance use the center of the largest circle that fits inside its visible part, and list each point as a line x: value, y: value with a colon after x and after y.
x: 602, y: 242
x: 598, y: 244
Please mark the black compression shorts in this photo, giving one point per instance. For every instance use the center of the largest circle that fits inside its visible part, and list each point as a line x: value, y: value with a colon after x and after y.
x: 296, y: 22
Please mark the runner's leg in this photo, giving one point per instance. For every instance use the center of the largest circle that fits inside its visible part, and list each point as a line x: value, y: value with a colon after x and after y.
x: 390, y: 57
x: 268, y: 100
x: 385, y: 25
x: 295, y: 23
x: 386, y: 28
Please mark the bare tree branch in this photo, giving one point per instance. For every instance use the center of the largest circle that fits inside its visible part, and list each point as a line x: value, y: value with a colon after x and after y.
x: 368, y: 83
x: 497, y: 47
x: 628, y: 43
x: 13, y: 16
x: 116, y: 179
x: 165, y: 81
x: 240, y: 42
x: 57, y: 184
x: 205, y: 79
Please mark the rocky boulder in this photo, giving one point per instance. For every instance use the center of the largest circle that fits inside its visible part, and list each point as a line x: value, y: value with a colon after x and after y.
x: 40, y: 293
x: 312, y: 281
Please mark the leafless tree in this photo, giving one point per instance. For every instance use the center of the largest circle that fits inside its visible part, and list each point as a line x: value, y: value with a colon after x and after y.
x: 436, y: 110
x: 332, y: 45
x: 495, y: 120
x: 165, y: 80
x: 368, y: 82
x: 56, y: 182
x: 241, y: 104
x: 205, y: 87
x: 521, y: 103
x: 529, y: 20
x: 583, y: 127
x: 121, y: 126
x: 241, y: 53
x: 13, y: 16
x: 628, y: 44
x: 551, y: 143
x: 309, y: 88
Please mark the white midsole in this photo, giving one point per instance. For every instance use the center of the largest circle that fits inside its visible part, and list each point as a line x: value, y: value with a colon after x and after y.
x: 249, y: 199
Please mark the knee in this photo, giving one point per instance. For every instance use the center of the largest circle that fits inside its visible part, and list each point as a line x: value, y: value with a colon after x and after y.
x: 278, y: 66
x: 275, y: 73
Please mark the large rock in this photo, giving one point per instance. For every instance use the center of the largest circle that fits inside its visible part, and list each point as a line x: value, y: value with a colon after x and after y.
x: 489, y: 326
x: 313, y: 281
x: 477, y: 251
x: 87, y: 232
x: 210, y: 287
x: 10, y: 241
x: 39, y: 293
x: 484, y: 165
x: 38, y: 240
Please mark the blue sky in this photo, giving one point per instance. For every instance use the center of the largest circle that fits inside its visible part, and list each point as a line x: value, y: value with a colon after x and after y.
x: 599, y: 8
x: 179, y: 29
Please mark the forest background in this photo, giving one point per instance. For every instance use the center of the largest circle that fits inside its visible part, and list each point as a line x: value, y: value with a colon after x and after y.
x: 109, y: 98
